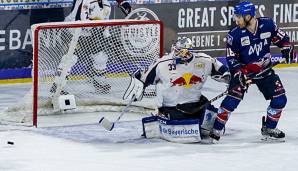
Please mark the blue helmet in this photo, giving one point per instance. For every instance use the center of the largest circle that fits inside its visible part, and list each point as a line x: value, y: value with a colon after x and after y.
x: 245, y: 8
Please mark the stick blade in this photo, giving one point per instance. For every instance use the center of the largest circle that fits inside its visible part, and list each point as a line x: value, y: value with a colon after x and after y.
x: 106, y: 124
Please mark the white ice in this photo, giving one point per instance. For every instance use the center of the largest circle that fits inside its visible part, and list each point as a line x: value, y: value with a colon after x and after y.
x: 90, y: 147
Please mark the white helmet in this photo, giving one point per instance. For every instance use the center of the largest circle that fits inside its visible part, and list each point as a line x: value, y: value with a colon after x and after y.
x: 183, y: 48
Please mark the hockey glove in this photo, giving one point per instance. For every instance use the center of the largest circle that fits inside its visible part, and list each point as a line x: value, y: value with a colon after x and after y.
x: 124, y: 7
x: 135, y: 90
x: 289, y: 54
x: 241, y: 78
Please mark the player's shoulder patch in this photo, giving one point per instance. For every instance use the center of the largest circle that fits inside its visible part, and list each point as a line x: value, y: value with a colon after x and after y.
x: 265, y: 35
x: 245, y: 41
x: 229, y: 39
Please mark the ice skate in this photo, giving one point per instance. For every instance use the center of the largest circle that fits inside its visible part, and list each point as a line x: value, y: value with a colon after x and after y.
x: 215, y: 134
x: 271, y: 134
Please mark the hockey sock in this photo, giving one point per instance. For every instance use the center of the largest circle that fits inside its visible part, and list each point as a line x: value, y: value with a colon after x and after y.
x: 273, y: 116
x: 227, y: 106
x: 274, y: 111
x: 221, y: 119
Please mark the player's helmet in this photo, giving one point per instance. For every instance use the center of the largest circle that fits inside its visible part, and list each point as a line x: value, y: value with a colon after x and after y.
x: 183, y: 48
x: 245, y: 8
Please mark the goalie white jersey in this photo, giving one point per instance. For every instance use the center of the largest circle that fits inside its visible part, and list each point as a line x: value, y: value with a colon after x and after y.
x: 179, y: 83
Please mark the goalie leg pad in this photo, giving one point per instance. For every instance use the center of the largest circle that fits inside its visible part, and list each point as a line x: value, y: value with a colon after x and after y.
x: 208, y: 121
x: 150, y: 127
x: 181, y: 131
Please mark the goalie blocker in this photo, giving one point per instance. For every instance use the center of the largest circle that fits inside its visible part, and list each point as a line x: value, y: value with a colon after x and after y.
x: 181, y: 131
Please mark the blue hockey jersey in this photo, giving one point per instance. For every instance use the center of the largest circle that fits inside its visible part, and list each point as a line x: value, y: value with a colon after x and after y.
x: 245, y: 47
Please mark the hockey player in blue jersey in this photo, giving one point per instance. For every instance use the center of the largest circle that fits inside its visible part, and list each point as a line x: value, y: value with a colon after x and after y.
x: 248, y: 53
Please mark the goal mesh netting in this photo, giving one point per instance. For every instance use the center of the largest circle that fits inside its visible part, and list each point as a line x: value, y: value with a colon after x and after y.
x: 92, y: 61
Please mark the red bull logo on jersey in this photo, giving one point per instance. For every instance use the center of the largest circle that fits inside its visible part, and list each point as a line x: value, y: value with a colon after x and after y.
x: 187, y: 80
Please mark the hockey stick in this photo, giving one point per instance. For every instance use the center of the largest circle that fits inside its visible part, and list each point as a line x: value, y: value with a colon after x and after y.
x: 250, y: 76
x: 67, y: 61
x: 108, y: 125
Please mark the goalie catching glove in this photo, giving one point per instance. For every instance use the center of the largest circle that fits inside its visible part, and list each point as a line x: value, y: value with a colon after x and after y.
x: 135, y: 90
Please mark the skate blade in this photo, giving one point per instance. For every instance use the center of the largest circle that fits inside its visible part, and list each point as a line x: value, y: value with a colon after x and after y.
x: 272, y: 139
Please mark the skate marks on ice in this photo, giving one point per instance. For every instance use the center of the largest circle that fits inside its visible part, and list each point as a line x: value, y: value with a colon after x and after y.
x: 129, y: 132
x: 11, y: 93
x: 126, y: 138
x: 124, y: 132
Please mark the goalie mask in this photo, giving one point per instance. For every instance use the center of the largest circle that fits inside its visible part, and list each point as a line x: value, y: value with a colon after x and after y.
x: 183, y: 49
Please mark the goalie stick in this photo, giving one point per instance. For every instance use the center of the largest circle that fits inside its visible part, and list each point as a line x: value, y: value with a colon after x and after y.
x: 108, y: 125
x: 67, y: 61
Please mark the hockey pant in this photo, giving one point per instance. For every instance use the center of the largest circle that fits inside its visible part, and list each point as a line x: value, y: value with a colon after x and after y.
x: 185, y: 111
x: 271, y: 88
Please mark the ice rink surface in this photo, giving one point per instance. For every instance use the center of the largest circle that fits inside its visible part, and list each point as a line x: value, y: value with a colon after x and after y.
x: 90, y: 147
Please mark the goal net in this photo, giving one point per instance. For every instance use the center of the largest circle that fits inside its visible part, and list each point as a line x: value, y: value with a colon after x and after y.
x: 91, y: 61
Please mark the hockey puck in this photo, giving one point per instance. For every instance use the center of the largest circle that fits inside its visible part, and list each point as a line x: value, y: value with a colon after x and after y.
x: 10, y: 142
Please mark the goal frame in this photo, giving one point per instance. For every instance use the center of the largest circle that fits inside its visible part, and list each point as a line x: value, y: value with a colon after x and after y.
x: 58, y: 25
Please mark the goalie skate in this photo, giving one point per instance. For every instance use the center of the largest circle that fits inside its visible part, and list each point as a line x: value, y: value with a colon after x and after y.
x: 271, y: 135
x: 205, y: 138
